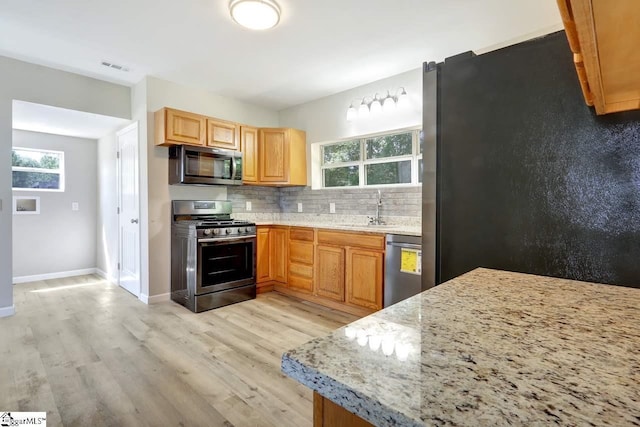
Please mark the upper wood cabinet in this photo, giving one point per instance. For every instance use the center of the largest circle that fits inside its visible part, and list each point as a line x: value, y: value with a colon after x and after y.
x: 175, y: 127
x: 223, y: 134
x: 249, y: 143
x: 603, y: 36
x: 282, y: 157
x: 179, y: 127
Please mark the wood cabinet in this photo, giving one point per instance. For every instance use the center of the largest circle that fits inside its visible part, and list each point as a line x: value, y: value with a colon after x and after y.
x: 179, y: 127
x: 301, y: 251
x: 282, y: 157
x: 603, y: 37
x: 364, y: 278
x: 279, y: 253
x: 349, y: 268
x: 175, y: 127
x: 330, y: 276
x: 338, y: 269
x: 249, y: 144
x: 263, y: 258
x: 223, y: 134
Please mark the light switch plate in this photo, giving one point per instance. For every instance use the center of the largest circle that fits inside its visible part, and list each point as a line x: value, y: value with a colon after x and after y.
x: 299, y: 207
x: 332, y: 208
x: 247, y: 206
x: 75, y: 206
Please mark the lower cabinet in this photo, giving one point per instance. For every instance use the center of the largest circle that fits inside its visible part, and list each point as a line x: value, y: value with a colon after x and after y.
x: 330, y: 272
x: 263, y: 259
x: 341, y: 270
x: 301, y: 260
x: 364, y: 269
x: 278, y: 252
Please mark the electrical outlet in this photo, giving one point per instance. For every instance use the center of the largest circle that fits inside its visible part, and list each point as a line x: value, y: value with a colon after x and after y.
x: 299, y: 207
x: 75, y: 206
x: 248, y: 207
x: 332, y: 208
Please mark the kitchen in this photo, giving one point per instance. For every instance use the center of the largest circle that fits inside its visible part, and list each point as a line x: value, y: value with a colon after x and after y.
x: 158, y: 209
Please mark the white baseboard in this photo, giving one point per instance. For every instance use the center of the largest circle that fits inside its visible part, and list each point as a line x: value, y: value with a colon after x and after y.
x: 106, y: 276
x: 58, y: 275
x: 154, y: 299
x: 7, y: 311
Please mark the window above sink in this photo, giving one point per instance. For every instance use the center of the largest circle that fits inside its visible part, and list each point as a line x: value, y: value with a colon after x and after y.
x: 383, y: 160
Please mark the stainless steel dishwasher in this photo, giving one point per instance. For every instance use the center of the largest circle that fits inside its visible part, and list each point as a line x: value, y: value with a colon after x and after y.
x: 402, y: 268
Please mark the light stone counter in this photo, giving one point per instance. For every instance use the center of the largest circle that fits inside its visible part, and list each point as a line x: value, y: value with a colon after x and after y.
x: 385, y: 229
x: 487, y: 348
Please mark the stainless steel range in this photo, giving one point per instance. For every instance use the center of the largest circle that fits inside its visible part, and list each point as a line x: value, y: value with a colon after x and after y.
x: 213, y: 257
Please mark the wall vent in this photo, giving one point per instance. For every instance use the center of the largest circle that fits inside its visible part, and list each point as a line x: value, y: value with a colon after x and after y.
x: 115, y: 66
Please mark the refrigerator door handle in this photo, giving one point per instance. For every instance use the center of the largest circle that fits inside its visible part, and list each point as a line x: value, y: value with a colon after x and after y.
x: 405, y: 245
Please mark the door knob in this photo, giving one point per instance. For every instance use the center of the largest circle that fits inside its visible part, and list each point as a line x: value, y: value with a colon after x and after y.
x: 134, y: 221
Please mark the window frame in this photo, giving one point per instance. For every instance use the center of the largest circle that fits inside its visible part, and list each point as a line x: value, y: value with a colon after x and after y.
x: 414, y: 157
x: 59, y: 171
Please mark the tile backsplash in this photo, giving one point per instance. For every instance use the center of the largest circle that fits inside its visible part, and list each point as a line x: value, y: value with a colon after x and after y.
x: 401, y: 202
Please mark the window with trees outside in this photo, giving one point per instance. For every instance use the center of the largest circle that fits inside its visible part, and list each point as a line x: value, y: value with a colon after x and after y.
x: 382, y: 160
x: 34, y: 169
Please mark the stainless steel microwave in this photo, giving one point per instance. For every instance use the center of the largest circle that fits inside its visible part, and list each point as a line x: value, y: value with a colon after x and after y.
x: 204, y: 166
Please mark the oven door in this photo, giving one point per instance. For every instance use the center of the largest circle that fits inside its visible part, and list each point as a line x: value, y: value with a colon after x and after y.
x: 225, y: 264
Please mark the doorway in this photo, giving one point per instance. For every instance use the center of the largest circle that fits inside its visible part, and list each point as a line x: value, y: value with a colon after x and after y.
x: 129, y: 209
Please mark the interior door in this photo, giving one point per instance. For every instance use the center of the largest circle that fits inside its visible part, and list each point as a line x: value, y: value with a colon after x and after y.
x: 129, y: 218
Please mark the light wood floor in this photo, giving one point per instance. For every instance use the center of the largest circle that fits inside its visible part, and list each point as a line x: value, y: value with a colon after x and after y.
x: 90, y: 354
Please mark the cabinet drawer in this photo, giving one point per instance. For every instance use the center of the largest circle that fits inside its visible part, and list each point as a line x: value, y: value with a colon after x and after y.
x: 301, y: 252
x: 361, y: 240
x: 301, y: 270
x: 301, y: 284
x: 304, y: 234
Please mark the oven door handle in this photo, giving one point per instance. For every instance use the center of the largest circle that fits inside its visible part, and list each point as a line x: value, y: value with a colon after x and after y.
x: 227, y: 239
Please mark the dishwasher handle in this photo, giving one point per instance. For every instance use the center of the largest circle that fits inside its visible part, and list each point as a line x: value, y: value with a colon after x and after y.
x: 405, y: 245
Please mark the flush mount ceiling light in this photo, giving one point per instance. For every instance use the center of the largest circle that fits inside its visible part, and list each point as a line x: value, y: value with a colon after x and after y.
x: 255, y: 14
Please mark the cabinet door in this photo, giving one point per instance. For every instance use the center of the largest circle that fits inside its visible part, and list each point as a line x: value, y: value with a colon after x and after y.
x: 329, y: 281
x: 249, y: 142
x: 273, y: 155
x: 186, y: 128
x: 222, y: 134
x: 263, y: 267
x: 364, y: 278
x: 278, y: 254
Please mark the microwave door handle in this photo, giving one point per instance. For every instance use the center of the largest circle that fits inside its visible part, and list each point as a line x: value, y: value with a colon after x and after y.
x: 233, y: 167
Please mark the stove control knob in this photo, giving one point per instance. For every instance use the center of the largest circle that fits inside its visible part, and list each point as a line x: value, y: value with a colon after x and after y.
x: 227, y: 230
x: 247, y: 230
x: 216, y: 231
x: 207, y: 232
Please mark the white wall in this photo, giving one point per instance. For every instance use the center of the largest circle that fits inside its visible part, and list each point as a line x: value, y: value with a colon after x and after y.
x: 325, y: 119
x: 161, y: 93
x: 58, y: 240
x: 107, y: 218
x: 34, y: 83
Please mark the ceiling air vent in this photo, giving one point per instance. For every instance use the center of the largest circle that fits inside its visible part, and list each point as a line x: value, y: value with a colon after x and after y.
x: 115, y: 66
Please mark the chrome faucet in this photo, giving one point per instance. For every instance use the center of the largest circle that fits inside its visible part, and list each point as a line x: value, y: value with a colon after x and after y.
x: 377, y: 220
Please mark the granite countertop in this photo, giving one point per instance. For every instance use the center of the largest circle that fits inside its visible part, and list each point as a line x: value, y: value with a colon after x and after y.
x: 487, y: 348
x: 407, y: 230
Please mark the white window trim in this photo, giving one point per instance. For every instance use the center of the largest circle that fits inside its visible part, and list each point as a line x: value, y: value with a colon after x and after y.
x: 415, y: 157
x: 59, y: 171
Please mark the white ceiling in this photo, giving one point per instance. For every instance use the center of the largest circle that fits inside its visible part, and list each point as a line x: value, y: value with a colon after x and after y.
x: 320, y: 47
x: 60, y: 121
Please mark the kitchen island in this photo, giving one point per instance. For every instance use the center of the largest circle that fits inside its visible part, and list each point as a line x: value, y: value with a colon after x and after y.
x: 487, y: 348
